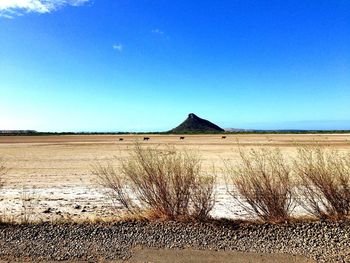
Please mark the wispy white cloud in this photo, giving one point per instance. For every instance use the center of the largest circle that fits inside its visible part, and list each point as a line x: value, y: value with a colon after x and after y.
x: 157, y: 31
x: 161, y: 33
x: 12, y: 8
x: 118, y: 47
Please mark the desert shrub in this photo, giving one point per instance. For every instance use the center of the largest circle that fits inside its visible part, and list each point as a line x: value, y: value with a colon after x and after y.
x: 261, y: 183
x: 324, y: 187
x: 29, y: 201
x: 165, y: 184
x: 2, y: 172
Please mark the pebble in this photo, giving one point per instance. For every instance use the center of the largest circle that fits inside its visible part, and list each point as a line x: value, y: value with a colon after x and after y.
x: 321, y: 241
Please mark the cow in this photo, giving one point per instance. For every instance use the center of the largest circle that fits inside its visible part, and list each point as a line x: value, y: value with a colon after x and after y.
x: 182, y: 138
x: 145, y: 138
x: 121, y: 139
x: 223, y: 137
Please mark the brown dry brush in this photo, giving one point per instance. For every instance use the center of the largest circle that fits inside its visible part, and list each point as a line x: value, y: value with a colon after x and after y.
x: 324, y: 187
x: 165, y: 184
x: 262, y: 184
x: 3, y: 171
x: 111, y: 179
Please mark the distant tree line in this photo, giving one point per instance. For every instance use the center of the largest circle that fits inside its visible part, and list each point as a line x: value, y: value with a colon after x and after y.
x: 36, y: 133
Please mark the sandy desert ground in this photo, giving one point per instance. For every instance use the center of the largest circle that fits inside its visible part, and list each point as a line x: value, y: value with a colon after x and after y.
x: 50, y: 176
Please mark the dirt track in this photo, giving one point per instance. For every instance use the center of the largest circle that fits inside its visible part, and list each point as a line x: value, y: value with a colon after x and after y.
x: 205, y: 256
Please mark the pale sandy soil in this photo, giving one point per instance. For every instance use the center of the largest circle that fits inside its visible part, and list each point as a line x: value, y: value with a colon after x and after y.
x: 53, y: 173
x: 205, y: 256
x: 142, y: 255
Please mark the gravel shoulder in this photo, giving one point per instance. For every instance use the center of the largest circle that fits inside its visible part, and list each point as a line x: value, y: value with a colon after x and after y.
x: 318, y: 241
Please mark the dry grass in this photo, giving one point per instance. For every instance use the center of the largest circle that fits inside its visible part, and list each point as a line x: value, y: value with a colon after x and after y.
x: 3, y: 171
x: 29, y: 200
x: 166, y: 184
x: 324, y: 186
x: 262, y: 184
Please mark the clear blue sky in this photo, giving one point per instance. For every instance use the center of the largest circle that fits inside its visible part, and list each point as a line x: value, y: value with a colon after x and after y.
x: 143, y: 65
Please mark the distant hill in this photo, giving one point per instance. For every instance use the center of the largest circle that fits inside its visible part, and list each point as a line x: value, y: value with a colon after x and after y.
x: 17, y: 131
x: 195, y: 124
x: 238, y: 130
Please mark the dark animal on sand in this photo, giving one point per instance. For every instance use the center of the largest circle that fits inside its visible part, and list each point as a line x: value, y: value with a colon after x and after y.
x: 182, y: 138
x: 223, y: 137
x: 121, y: 139
x: 145, y: 138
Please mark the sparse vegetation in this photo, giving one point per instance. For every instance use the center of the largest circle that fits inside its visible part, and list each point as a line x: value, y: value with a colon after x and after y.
x: 3, y: 171
x: 166, y: 184
x: 28, y: 202
x: 169, y: 184
x: 324, y: 187
x: 262, y: 184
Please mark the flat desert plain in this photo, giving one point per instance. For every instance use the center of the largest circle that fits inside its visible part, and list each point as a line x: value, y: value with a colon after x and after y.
x: 50, y: 177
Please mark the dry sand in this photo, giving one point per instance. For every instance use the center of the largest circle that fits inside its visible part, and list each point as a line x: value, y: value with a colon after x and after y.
x: 205, y: 256
x: 50, y: 176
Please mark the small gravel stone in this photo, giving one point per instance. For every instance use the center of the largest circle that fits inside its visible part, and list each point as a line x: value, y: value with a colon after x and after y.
x: 322, y: 241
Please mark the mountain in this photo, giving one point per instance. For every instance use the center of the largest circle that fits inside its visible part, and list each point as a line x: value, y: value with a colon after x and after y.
x: 195, y: 124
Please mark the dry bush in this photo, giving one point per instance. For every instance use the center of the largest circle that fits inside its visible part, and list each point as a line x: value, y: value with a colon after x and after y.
x: 29, y: 200
x: 3, y: 171
x: 262, y: 184
x: 160, y: 184
x: 324, y: 186
x: 117, y: 185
